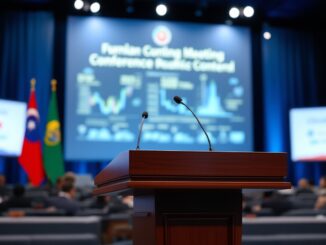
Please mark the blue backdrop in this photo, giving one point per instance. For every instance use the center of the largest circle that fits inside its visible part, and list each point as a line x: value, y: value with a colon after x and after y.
x: 289, y: 80
x: 26, y: 52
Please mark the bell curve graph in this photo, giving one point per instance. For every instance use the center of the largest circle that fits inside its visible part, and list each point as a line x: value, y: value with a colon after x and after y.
x: 111, y: 105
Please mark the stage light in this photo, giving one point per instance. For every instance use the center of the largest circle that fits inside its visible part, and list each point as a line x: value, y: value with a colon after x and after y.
x: 161, y: 9
x: 234, y: 12
x: 79, y: 4
x: 248, y: 11
x: 267, y: 35
x: 95, y: 7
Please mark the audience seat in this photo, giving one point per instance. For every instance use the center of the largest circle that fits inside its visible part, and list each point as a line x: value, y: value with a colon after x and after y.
x: 36, y: 212
x: 284, y: 231
x: 305, y: 212
x: 285, y: 239
x: 50, y: 230
x: 50, y: 239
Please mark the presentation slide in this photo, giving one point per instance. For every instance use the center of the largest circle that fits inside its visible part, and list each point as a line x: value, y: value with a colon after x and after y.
x: 118, y: 68
x: 12, y: 127
x: 308, y: 134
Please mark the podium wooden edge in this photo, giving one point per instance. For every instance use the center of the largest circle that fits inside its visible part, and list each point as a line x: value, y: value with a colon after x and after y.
x: 129, y: 185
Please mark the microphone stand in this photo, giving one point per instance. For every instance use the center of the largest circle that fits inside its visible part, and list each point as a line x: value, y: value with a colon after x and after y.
x: 209, y: 142
x: 178, y: 100
x: 144, y: 116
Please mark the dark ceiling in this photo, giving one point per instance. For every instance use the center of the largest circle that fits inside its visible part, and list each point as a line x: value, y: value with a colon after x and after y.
x: 303, y: 11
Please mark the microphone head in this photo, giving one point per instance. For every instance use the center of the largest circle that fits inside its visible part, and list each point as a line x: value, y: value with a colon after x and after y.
x: 145, y: 114
x: 177, y: 99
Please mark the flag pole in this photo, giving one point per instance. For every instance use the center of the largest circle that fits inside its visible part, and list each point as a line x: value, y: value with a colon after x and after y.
x: 54, y: 85
x: 33, y: 83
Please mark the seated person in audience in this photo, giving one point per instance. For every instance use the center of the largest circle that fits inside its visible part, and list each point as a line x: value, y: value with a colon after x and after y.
x: 274, y: 201
x: 112, y: 204
x: 69, y: 177
x: 4, y: 190
x: 246, y: 207
x: 101, y: 202
x: 65, y: 199
x: 54, y: 191
x: 59, y: 183
x: 128, y: 200
x: 322, y: 186
x: 321, y: 202
x: 304, y: 187
x: 119, y: 204
x: 17, y: 200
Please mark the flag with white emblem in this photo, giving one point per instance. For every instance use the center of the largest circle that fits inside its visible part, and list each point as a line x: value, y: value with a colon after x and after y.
x: 31, y: 155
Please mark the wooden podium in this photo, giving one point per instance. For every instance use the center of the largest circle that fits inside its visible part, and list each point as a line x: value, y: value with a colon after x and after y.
x: 190, y: 197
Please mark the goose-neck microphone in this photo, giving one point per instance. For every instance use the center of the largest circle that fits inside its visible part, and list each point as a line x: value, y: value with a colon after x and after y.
x: 178, y: 100
x: 144, y: 116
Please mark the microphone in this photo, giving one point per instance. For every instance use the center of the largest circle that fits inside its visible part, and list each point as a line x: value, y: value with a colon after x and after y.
x: 144, y: 116
x: 178, y: 100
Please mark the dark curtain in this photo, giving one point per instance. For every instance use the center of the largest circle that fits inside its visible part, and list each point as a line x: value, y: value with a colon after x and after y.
x: 26, y: 52
x: 290, y: 79
x: 27, y: 44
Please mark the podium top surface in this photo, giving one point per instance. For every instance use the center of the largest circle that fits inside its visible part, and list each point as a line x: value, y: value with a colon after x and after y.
x: 139, y: 169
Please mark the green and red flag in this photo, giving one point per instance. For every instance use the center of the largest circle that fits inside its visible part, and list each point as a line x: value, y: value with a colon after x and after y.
x: 52, y: 150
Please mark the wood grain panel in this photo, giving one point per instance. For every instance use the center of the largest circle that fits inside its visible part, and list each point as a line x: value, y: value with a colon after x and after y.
x: 198, y: 163
x: 116, y: 170
x: 195, y: 229
x: 172, y: 169
x: 208, y: 184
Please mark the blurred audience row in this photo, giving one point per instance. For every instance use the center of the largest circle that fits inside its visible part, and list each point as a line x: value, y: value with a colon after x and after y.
x: 304, y: 199
x: 64, y: 198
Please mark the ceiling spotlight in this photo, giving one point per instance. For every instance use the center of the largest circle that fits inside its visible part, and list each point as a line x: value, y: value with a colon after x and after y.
x: 161, y: 9
x: 234, y: 12
x: 248, y: 11
x: 267, y: 35
x: 95, y: 7
x: 79, y: 4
